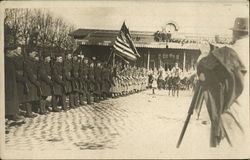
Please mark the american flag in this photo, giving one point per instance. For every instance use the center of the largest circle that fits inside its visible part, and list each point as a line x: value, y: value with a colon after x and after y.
x: 124, y: 44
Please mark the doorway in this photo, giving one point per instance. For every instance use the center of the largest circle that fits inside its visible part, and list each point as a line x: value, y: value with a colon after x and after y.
x: 168, y: 66
x: 152, y: 65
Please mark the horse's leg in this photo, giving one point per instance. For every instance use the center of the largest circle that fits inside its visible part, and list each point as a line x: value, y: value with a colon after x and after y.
x: 177, y: 91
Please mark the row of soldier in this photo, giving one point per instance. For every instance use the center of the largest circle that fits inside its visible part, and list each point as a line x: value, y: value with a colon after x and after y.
x: 42, y: 83
x: 128, y: 80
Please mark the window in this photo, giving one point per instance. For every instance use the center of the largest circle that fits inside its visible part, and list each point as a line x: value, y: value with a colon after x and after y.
x: 177, y: 56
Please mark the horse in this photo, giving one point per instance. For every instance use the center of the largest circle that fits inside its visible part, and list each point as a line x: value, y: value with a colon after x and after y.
x: 184, y: 84
x: 172, y: 83
x: 175, y: 85
x: 168, y: 83
x: 192, y: 80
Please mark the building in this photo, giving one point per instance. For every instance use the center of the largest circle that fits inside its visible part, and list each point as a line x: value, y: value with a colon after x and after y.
x: 161, y: 48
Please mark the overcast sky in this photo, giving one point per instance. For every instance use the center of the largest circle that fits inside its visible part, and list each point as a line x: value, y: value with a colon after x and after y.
x: 193, y: 17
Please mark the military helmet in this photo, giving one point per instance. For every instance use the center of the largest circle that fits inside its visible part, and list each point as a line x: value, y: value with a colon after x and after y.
x: 86, y: 58
x: 10, y: 47
x: 68, y: 52
x: 59, y: 54
x: 46, y: 53
x: 90, y: 61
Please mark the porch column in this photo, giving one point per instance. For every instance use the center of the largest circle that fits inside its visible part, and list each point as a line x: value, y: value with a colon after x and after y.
x: 184, y: 61
x: 148, y: 59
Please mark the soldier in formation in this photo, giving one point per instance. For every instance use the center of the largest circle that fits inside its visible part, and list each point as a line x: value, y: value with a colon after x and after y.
x: 128, y: 80
x: 59, y: 81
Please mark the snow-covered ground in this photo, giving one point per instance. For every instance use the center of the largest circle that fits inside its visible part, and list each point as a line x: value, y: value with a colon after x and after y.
x: 140, y: 125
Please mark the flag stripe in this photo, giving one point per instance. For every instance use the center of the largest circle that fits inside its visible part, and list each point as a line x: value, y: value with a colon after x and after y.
x: 124, y: 53
x: 124, y: 44
x: 132, y: 44
x: 124, y: 47
x: 121, y: 41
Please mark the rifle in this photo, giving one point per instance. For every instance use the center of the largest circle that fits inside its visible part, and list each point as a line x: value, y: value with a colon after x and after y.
x: 80, y: 75
x: 51, y: 67
x: 40, y: 93
x: 194, y: 103
x: 26, y: 87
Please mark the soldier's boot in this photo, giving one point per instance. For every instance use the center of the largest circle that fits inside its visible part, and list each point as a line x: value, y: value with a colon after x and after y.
x: 104, y: 96
x: 81, y: 98
x: 29, y: 113
x: 64, y: 104
x: 99, y: 97
x: 88, y: 98
x: 76, y: 99
x: 42, y: 107
x: 54, y: 104
x: 71, y: 101
x: 96, y: 98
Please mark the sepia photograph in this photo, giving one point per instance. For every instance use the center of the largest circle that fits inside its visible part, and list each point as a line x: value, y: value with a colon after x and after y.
x: 124, y: 79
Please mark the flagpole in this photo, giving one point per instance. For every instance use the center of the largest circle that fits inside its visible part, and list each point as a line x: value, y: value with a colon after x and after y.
x: 110, y: 56
x: 113, y: 62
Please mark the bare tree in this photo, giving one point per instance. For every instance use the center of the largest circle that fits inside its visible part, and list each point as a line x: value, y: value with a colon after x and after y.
x: 37, y: 27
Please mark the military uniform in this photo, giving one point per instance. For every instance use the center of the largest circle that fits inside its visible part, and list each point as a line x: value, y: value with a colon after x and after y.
x: 114, y: 84
x: 98, y: 81
x: 106, y: 81
x: 45, y: 76
x: 75, y: 82
x: 11, y: 97
x: 85, y: 96
x: 68, y: 79
x: 91, y: 79
x: 59, y: 86
x: 31, y: 72
x: 22, y: 88
x: 82, y: 85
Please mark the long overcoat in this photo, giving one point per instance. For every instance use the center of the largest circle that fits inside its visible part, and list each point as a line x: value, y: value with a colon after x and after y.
x: 57, y: 77
x: 11, y: 97
x: 31, y: 72
x: 46, y: 79
x: 68, y: 77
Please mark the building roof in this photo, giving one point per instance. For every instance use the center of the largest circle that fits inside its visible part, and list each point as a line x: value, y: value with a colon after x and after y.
x: 85, y: 32
x: 142, y: 39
